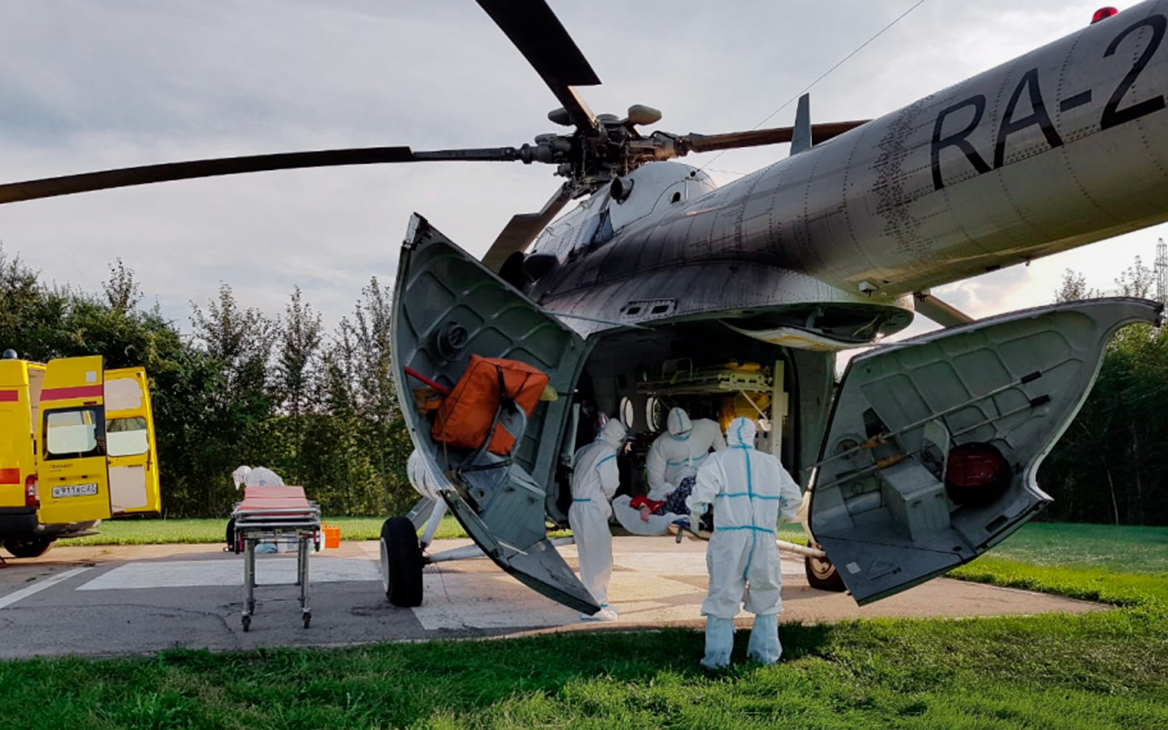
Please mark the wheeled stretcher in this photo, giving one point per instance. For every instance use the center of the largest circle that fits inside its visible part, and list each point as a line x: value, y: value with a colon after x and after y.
x: 276, y: 513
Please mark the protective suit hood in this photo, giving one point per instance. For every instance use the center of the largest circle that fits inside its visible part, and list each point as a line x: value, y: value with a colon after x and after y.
x: 613, y: 433
x: 679, y: 423
x: 741, y: 433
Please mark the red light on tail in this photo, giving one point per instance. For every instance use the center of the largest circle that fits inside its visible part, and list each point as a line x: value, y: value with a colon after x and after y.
x: 1102, y: 14
x: 30, y: 492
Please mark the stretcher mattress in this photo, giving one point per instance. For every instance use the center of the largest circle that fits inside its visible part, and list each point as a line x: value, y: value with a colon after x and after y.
x: 276, y: 507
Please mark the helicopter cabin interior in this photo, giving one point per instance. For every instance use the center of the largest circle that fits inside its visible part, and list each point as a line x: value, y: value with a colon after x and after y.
x: 712, y: 372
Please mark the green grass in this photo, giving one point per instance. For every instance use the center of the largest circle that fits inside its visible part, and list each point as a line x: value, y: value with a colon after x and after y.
x: 1108, y: 547
x: 1105, y: 669
x: 211, y: 530
x: 160, y: 531
x: 1126, y: 566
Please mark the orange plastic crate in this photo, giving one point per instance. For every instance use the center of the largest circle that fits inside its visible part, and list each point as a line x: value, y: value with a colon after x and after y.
x: 332, y: 536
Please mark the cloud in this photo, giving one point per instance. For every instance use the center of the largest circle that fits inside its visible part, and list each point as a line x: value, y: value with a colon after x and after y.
x: 94, y: 85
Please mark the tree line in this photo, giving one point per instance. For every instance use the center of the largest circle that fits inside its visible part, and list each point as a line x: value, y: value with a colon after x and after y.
x: 320, y: 407
x: 317, y: 407
x: 1110, y: 465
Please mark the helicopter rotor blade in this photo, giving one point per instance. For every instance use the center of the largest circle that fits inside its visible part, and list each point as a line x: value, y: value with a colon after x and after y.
x: 147, y: 174
x: 541, y: 38
x: 757, y: 137
x: 522, y: 229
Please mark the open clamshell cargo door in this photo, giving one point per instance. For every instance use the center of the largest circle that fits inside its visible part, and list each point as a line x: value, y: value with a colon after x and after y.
x: 934, y: 444
x: 448, y: 306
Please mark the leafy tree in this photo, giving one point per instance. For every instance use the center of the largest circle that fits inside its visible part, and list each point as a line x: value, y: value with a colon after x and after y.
x: 1074, y: 288
x: 121, y: 289
x: 1136, y: 280
x: 1109, y: 465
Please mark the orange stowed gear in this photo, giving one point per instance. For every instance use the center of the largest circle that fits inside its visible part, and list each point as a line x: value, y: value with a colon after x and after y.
x: 466, y: 415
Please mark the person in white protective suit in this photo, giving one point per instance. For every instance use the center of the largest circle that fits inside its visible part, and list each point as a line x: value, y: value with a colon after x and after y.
x: 675, y: 456
x: 595, y: 479
x: 750, y: 491
x: 245, y: 476
x: 258, y: 477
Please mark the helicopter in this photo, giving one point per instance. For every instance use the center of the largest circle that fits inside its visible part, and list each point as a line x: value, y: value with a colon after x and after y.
x: 662, y: 288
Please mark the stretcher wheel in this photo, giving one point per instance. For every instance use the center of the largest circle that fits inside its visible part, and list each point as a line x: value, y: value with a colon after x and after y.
x: 307, y: 618
x: 247, y: 623
x: 822, y: 574
x: 401, y: 562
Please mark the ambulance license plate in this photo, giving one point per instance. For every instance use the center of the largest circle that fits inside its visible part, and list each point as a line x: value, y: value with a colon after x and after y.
x: 75, y: 490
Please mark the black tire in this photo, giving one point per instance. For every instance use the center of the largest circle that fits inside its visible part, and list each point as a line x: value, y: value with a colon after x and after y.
x: 821, y: 574
x: 401, y: 562
x: 28, y: 547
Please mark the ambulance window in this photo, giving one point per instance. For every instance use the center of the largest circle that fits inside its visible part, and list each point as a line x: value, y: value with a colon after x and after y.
x: 73, y: 433
x: 127, y: 436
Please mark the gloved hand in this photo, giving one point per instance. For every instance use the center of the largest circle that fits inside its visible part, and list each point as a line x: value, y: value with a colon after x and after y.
x: 695, y: 515
x: 787, y: 512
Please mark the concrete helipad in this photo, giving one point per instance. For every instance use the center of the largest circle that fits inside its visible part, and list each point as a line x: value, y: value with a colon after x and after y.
x: 141, y: 599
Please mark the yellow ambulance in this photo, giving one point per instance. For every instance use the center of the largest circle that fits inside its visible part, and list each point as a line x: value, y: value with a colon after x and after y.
x: 76, y: 447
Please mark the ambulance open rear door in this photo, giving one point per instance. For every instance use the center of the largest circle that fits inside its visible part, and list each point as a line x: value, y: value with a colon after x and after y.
x: 73, y: 483
x: 133, y: 457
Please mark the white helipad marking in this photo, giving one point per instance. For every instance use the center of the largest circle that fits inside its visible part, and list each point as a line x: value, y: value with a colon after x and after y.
x: 195, y: 573
x: 52, y: 580
x: 648, y: 589
x: 489, y: 599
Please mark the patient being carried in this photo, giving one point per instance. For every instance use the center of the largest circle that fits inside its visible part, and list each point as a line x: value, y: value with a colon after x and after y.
x: 673, y: 504
x: 671, y: 465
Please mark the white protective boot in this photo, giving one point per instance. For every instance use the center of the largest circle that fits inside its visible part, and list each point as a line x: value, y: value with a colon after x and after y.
x: 719, y: 642
x: 764, y: 646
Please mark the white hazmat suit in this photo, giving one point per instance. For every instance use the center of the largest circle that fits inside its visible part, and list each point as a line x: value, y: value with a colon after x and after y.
x: 258, y: 477
x: 595, y: 479
x: 750, y: 491
x: 676, y: 454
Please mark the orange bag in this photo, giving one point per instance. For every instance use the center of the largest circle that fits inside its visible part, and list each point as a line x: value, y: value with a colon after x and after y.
x: 466, y: 415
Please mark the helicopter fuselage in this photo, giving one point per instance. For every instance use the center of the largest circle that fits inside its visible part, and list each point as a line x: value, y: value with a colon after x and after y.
x: 1064, y: 146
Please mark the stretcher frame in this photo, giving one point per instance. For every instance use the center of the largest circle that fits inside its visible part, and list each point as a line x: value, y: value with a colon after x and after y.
x: 253, y: 524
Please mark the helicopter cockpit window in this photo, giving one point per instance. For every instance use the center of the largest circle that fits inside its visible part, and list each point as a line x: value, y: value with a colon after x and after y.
x: 603, y: 233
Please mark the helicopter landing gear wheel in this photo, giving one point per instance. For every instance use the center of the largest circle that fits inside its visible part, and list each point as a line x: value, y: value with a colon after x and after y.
x: 401, y: 562
x: 822, y: 574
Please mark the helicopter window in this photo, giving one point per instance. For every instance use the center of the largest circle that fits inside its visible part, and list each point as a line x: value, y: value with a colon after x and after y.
x: 627, y: 412
x: 676, y: 198
x: 604, y: 231
x: 659, y: 309
x: 654, y: 413
x: 633, y: 310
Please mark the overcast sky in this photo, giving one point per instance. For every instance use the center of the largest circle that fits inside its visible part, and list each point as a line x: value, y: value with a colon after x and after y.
x: 87, y: 85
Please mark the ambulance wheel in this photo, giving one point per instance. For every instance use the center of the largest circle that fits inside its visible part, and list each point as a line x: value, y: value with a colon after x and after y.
x: 822, y: 574
x: 401, y: 562
x: 28, y: 547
